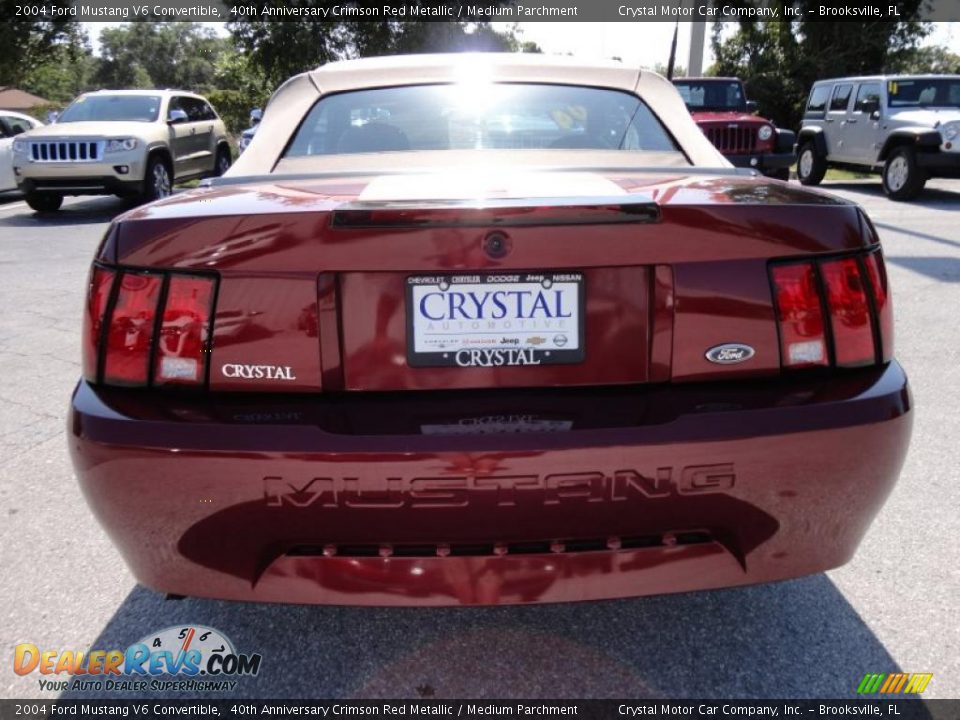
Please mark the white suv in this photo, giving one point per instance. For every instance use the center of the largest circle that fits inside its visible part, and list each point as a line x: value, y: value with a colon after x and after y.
x: 131, y: 143
x: 904, y: 126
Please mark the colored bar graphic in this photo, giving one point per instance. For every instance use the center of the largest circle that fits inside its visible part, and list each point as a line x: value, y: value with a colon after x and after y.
x: 893, y: 683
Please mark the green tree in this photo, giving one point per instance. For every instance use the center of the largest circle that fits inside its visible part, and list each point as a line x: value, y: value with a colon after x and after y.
x: 67, y: 72
x: 239, y: 86
x: 780, y: 60
x: 283, y: 49
x: 159, y: 54
x: 27, y: 44
x: 933, y: 59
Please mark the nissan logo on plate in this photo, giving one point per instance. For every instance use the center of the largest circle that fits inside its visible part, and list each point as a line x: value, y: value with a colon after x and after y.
x: 729, y: 353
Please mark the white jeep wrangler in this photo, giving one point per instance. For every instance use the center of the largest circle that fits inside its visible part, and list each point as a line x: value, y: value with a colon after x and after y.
x: 905, y: 127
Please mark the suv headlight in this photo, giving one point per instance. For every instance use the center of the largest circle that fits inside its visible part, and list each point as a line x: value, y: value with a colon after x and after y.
x: 765, y: 132
x: 19, y: 147
x: 951, y: 131
x: 121, y: 145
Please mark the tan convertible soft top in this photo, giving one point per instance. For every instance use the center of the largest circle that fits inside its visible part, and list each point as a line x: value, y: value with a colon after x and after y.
x: 295, y: 97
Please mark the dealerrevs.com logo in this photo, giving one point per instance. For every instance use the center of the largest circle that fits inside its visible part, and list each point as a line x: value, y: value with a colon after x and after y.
x: 179, y: 658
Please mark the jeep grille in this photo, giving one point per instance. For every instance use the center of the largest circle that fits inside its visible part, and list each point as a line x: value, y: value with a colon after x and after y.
x: 732, y: 140
x: 66, y: 151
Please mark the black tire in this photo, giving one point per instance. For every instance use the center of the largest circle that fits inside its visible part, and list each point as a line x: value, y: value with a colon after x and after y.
x: 157, y: 181
x: 903, y: 179
x: 811, y: 165
x: 224, y: 161
x: 44, y: 202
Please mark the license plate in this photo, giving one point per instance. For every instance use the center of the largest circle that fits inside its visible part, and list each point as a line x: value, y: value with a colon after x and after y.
x: 507, y: 319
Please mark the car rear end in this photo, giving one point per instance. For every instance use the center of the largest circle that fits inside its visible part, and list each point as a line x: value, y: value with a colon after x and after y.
x: 266, y: 413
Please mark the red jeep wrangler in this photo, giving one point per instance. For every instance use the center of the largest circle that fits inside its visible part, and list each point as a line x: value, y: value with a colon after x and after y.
x: 721, y: 109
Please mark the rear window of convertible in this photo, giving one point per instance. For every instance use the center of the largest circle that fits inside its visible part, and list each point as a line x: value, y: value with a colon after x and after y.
x: 472, y: 117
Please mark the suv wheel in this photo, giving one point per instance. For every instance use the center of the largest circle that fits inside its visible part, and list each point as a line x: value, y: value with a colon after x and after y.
x: 811, y: 165
x: 903, y: 179
x: 224, y: 161
x: 157, y: 182
x: 44, y: 202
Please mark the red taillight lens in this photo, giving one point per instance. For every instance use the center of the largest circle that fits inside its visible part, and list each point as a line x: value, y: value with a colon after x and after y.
x: 151, y: 327
x: 802, y: 339
x: 182, y: 349
x: 855, y: 298
x: 130, y: 333
x: 850, y: 318
x: 877, y: 275
x: 98, y: 293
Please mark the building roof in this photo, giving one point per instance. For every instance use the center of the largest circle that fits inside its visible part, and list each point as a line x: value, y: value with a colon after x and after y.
x: 13, y: 99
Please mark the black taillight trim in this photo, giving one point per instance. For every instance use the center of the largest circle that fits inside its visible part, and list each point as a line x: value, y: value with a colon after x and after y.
x: 157, y: 327
x: 872, y: 304
x: 828, y: 338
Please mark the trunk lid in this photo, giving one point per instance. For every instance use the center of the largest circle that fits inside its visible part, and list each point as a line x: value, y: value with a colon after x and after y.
x: 315, y: 274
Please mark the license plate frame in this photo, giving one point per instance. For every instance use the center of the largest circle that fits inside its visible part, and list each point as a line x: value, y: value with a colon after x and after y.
x: 543, y: 340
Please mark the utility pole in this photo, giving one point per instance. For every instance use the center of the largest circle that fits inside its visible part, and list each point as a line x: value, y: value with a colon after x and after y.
x: 698, y: 31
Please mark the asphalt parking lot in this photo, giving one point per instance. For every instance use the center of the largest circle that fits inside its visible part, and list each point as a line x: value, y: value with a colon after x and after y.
x: 894, y: 607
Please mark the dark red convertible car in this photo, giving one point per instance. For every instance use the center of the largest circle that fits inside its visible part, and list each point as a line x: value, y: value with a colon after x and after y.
x: 486, y: 329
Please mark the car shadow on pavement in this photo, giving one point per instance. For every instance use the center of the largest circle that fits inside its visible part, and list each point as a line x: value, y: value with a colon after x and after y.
x: 95, y: 210
x: 918, y: 235
x: 931, y: 197
x: 793, y: 639
x: 944, y: 269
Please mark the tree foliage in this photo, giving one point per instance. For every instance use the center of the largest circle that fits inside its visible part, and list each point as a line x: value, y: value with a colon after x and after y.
x: 780, y: 60
x: 936, y: 59
x: 26, y: 44
x: 239, y: 86
x: 67, y: 71
x: 283, y: 49
x: 159, y: 54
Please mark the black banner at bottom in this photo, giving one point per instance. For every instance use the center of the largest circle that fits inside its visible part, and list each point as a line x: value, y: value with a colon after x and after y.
x: 893, y: 709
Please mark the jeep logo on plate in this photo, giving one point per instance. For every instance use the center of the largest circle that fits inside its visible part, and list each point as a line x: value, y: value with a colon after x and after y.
x: 729, y: 353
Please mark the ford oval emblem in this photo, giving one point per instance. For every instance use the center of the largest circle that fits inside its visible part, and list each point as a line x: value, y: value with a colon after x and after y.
x: 730, y: 353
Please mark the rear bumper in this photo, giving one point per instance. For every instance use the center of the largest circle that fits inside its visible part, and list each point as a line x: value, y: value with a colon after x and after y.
x: 763, y: 161
x: 394, y: 500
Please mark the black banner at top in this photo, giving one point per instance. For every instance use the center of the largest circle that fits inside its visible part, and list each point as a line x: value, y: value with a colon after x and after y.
x: 465, y: 10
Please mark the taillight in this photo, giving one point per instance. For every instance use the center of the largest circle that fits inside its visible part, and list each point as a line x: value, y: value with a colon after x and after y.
x: 98, y: 293
x: 147, y: 328
x: 833, y: 312
x: 877, y: 274
x: 130, y: 330
x: 849, y: 313
x: 182, y: 342
x: 802, y: 339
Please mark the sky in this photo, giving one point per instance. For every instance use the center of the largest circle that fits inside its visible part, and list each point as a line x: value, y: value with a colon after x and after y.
x: 642, y: 44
